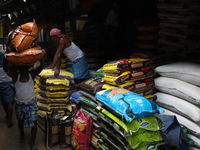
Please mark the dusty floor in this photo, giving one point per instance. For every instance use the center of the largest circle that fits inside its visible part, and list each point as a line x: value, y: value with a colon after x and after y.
x: 9, y: 136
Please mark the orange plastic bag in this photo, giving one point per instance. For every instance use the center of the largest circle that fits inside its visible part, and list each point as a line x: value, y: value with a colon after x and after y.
x: 23, y: 42
x: 24, y: 36
x: 31, y: 28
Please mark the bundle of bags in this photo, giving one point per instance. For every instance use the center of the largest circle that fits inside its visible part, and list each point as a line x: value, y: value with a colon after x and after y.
x: 54, y: 92
x: 122, y: 102
x: 134, y: 74
x: 56, y: 112
x: 22, y: 47
x: 122, y: 119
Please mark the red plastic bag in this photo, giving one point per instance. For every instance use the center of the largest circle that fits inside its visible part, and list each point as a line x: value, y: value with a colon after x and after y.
x: 81, y: 131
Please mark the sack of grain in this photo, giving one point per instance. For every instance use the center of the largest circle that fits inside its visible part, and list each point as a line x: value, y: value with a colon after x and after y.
x: 24, y: 36
x: 31, y: 55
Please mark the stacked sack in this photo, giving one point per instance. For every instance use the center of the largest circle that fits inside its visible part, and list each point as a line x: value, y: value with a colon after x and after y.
x: 158, y: 57
x: 179, y: 27
x: 131, y: 116
x: 131, y: 125
x: 179, y: 95
x: 53, y: 93
x: 134, y: 74
x: 56, y: 112
x: 23, y: 45
x: 147, y: 36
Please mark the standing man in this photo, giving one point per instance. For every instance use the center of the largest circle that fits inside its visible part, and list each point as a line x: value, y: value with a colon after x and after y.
x: 67, y: 47
x: 6, y: 91
x: 25, y: 102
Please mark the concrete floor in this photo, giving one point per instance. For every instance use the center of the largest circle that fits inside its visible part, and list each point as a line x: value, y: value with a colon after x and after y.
x: 9, y: 136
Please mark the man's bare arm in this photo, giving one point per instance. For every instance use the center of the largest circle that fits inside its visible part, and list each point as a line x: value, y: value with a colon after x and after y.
x: 58, y: 55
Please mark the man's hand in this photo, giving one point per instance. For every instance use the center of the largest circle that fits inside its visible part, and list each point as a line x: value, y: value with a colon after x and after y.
x: 56, y: 72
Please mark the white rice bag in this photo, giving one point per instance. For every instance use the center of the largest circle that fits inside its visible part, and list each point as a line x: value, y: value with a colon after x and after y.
x: 185, y: 71
x: 178, y: 88
x: 179, y: 106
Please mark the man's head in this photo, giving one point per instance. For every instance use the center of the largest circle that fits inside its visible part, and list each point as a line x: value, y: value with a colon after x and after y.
x: 56, y: 32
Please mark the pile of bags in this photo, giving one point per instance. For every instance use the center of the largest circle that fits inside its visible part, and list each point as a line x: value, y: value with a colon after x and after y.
x: 121, y: 119
x: 178, y: 94
x: 147, y: 36
x: 121, y: 102
x: 56, y: 111
x: 53, y: 92
x: 179, y: 27
x: 134, y: 74
x: 23, y: 48
x: 158, y: 57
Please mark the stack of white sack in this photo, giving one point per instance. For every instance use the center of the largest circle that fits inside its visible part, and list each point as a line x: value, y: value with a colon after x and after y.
x: 179, y: 95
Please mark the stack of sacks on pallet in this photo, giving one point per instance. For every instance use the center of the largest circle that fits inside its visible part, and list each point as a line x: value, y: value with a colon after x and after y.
x: 53, y: 92
x: 179, y: 95
x: 23, y: 48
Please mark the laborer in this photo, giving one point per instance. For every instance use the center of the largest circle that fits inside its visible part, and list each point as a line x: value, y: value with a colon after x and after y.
x: 25, y: 101
x: 67, y: 47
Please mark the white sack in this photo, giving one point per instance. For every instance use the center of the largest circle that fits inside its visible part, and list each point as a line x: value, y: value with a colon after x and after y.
x: 179, y: 106
x: 195, y: 139
x: 185, y: 71
x: 178, y: 88
x: 193, y: 148
x: 193, y: 128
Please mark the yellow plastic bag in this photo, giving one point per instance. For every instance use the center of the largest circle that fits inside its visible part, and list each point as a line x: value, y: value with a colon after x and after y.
x: 55, y: 81
x: 51, y: 100
x: 53, y: 87
x: 49, y: 107
x: 56, y: 94
x: 49, y: 73
x: 115, y: 79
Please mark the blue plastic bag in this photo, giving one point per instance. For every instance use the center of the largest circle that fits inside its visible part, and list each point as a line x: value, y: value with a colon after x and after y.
x: 127, y: 104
